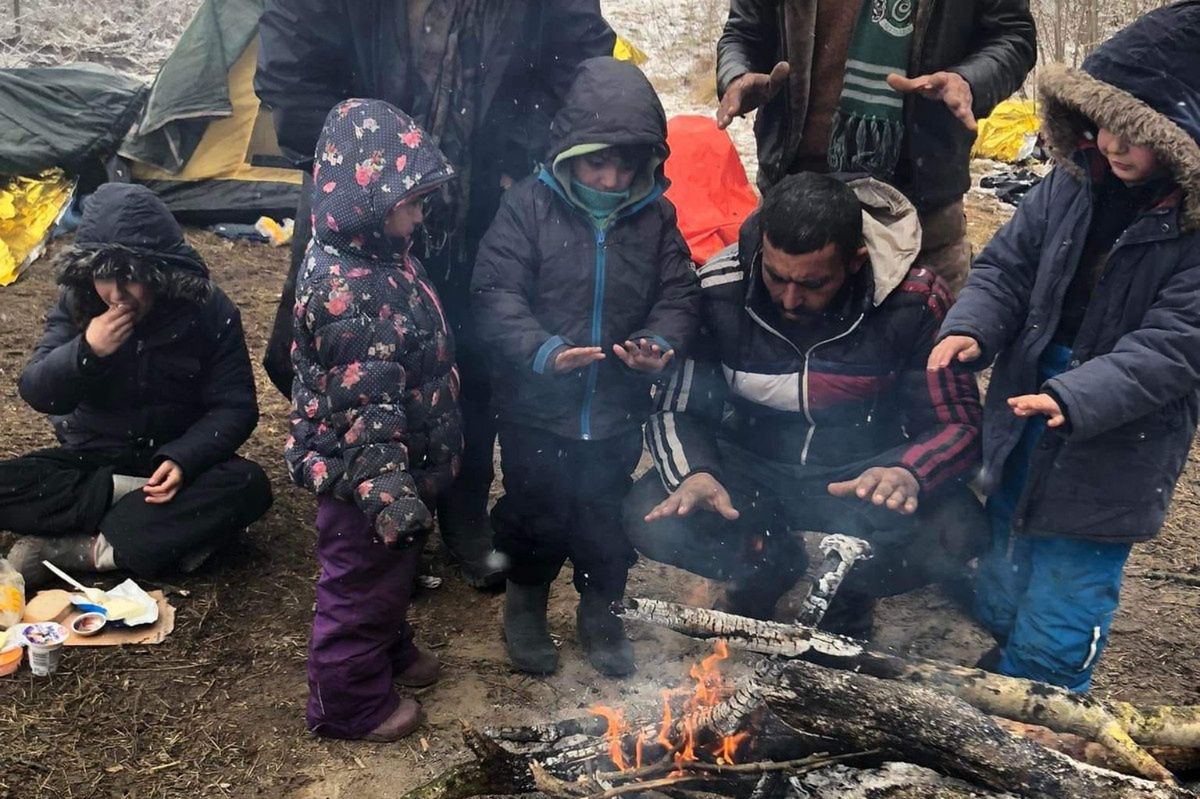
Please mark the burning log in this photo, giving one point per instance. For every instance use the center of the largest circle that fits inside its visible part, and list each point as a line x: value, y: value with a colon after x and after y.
x: 1120, y: 728
x: 929, y: 728
x: 766, y: 737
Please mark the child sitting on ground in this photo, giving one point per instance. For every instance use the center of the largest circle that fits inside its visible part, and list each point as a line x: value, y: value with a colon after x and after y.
x: 376, y: 433
x: 583, y: 288
x: 144, y: 373
x: 1088, y: 301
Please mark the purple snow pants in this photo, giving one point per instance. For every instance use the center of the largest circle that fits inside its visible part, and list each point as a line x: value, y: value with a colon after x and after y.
x: 360, y: 635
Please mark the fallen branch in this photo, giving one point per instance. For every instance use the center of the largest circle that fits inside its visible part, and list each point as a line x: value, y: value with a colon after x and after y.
x: 1174, y: 577
x: 926, y: 727
x: 997, y: 695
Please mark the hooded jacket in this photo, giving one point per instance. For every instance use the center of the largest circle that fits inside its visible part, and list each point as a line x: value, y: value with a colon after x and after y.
x: 858, y: 397
x: 1130, y: 391
x: 374, y: 417
x: 991, y: 43
x: 181, y: 387
x: 548, y: 277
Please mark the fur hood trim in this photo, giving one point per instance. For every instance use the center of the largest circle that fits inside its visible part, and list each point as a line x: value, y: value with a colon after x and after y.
x: 79, y: 266
x: 1074, y: 103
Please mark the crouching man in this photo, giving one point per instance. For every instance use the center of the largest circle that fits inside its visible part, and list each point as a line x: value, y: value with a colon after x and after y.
x: 144, y: 372
x: 812, y: 410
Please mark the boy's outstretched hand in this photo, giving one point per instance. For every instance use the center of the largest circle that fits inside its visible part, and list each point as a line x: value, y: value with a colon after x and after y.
x: 1028, y: 405
x: 576, y: 358
x: 643, y: 356
x: 963, y: 349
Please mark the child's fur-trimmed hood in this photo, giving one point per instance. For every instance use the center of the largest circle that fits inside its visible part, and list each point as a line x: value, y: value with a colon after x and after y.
x: 1143, y: 85
x: 128, y: 234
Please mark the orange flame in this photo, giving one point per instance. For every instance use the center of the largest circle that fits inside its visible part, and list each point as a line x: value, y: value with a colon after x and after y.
x: 707, y: 691
x: 616, y: 729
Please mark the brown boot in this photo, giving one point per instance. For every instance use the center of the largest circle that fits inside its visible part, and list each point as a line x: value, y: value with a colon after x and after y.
x: 424, y: 671
x: 403, y: 722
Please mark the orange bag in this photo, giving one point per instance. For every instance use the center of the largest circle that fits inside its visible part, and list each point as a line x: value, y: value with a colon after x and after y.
x: 708, y: 184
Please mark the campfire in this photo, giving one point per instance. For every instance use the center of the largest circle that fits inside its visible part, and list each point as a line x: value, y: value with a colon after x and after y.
x: 706, y: 691
x: 826, y: 717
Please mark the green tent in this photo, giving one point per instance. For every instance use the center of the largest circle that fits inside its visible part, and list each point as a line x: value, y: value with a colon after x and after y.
x: 203, y: 142
x: 71, y: 117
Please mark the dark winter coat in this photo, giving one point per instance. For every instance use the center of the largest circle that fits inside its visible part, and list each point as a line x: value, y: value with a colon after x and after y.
x: 315, y: 53
x: 181, y: 387
x: 1130, y: 394
x: 858, y: 397
x: 375, y: 416
x: 991, y: 43
x: 548, y: 277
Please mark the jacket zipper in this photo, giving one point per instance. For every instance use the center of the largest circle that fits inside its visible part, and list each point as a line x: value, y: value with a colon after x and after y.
x: 585, y: 412
x: 804, y: 357
x: 547, y: 178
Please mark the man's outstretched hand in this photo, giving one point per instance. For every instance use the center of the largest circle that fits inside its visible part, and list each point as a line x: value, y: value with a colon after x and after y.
x: 949, y: 87
x: 892, y: 487
x: 1028, y: 405
x: 702, y: 491
x: 751, y: 91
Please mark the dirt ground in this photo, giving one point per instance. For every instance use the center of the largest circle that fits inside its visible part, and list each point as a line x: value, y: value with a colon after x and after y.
x: 217, y: 709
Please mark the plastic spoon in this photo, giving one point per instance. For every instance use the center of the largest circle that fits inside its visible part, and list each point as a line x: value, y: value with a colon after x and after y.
x: 95, y: 594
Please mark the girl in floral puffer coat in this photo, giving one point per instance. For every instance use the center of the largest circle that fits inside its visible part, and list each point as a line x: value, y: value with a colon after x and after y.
x: 375, y: 426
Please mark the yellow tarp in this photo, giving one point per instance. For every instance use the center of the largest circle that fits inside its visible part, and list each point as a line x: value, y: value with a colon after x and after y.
x: 1010, y: 133
x: 29, y: 208
x: 626, y: 50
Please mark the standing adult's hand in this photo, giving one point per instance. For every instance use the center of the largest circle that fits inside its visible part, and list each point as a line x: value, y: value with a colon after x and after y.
x: 751, y: 91
x: 949, y: 87
x: 702, y: 491
x: 107, y: 332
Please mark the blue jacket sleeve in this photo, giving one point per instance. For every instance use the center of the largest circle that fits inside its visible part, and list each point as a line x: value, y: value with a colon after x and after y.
x: 992, y: 306
x: 1148, y: 368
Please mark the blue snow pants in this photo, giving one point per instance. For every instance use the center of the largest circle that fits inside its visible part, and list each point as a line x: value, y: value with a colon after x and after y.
x: 1048, y: 600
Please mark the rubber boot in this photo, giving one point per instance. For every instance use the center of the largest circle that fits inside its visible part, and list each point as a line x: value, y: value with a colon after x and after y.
x: 602, y: 634
x: 466, y: 533
x: 71, y: 553
x: 526, y: 636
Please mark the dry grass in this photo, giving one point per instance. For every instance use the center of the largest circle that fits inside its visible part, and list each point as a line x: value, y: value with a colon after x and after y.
x: 134, y: 36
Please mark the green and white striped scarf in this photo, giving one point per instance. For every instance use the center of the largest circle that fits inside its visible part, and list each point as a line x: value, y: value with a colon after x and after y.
x: 868, y: 128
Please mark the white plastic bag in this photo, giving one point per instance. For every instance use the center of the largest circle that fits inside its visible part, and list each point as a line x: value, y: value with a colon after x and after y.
x: 12, y: 595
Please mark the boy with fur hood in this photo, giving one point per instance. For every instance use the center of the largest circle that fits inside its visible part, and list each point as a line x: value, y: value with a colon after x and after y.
x: 1087, y: 304
x: 376, y: 431
x: 144, y: 373
x: 583, y: 290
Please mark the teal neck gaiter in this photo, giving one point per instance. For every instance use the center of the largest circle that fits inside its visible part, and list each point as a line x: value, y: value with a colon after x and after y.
x: 600, y: 204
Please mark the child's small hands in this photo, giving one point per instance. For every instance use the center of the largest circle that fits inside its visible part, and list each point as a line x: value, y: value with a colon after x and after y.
x: 963, y: 349
x: 576, y: 358
x: 1038, y: 405
x: 643, y: 356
